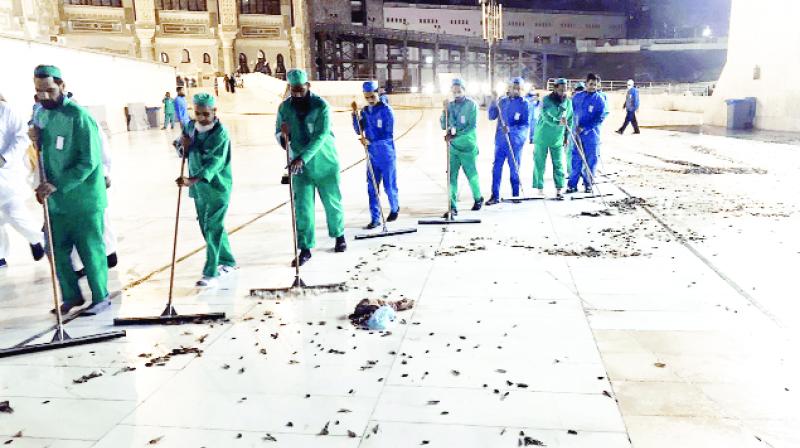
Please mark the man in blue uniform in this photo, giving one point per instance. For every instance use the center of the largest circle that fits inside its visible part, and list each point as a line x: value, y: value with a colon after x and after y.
x: 513, y: 115
x: 590, y: 111
x: 631, y: 106
x: 377, y: 122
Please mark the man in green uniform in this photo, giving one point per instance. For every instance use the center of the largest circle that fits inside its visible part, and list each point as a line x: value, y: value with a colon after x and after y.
x: 169, y: 111
x: 209, y: 183
x: 314, y: 162
x: 550, y: 135
x: 75, y: 189
x: 460, y: 120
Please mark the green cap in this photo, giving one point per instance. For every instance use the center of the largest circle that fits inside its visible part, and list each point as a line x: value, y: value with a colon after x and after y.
x: 297, y: 77
x: 45, y: 71
x: 204, y: 99
x: 561, y: 81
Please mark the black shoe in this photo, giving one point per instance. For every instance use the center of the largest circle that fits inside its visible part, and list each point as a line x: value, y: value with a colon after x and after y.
x: 372, y: 225
x: 618, y: 132
x: 478, y: 204
x: 67, y: 307
x: 492, y: 201
x: 341, y: 244
x: 588, y: 190
x: 571, y: 190
x: 81, y: 273
x: 111, y: 260
x: 302, y: 257
x: 452, y: 212
x: 37, y: 251
x: 393, y: 215
x: 3, y: 263
x: 636, y: 132
x: 96, y: 308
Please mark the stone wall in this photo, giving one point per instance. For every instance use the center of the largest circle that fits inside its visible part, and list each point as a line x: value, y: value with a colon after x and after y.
x: 103, y: 82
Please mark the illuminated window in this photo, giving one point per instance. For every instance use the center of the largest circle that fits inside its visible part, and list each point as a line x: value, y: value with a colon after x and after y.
x: 186, y: 57
x: 112, y: 3
x: 164, y: 58
x: 206, y: 58
x: 182, y: 5
x: 269, y: 7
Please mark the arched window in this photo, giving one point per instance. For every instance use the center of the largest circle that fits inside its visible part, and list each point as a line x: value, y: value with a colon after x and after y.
x: 261, y: 55
x: 243, y: 67
x: 206, y: 58
x: 164, y: 58
x: 186, y: 57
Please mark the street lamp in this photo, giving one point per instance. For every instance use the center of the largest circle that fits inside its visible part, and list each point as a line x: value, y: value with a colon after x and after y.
x: 492, y: 27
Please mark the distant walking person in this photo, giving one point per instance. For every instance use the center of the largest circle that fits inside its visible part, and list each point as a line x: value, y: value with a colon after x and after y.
x: 631, y: 106
x: 169, y: 111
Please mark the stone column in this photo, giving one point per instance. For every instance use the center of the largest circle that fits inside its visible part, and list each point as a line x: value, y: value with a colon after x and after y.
x: 145, y: 26
x: 228, y: 65
x: 228, y: 28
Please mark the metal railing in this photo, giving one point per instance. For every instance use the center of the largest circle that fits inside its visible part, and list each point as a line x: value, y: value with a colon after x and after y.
x: 650, y: 88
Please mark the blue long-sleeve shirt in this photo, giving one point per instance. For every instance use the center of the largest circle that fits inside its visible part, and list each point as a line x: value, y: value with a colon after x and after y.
x: 516, y: 115
x: 632, y: 99
x: 180, y: 109
x: 591, y: 109
x: 377, y: 123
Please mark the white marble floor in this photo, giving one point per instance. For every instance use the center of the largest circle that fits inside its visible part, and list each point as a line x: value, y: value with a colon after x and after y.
x: 518, y: 338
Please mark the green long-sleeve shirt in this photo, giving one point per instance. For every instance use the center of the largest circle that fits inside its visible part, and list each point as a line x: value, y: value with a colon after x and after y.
x: 462, y: 115
x: 169, y: 106
x: 210, y: 160
x: 72, y: 152
x: 549, y: 131
x: 311, y: 137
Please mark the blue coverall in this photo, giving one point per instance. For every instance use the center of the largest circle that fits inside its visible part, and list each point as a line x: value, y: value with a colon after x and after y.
x: 377, y: 123
x: 533, y: 108
x: 180, y: 110
x: 591, y: 109
x: 516, y: 114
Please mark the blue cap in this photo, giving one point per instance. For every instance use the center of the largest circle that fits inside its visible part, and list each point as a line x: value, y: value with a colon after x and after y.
x: 518, y: 81
x: 370, y: 86
x: 580, y: 86
x: 458, y: 82
x: 561, y: 81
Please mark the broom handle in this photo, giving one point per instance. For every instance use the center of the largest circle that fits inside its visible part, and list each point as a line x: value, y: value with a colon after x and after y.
x: 175, y: 235
x: 510, y: 149
x: 447, y: 181
x: 291, y: 203
x: 50, y: 252
x: 371, y: 171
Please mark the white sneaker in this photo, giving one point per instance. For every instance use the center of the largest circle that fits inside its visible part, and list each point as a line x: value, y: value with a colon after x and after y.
x: 206, y: 282
x: 226, y: 269
x: 541, y: 192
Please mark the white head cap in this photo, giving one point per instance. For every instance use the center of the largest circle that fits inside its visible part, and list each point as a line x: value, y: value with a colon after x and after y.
x: 630, y: 83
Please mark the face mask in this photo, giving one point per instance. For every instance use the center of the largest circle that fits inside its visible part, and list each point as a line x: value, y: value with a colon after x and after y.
x: 204, y: 127
x: 52, y: 104
x: 302, y: 103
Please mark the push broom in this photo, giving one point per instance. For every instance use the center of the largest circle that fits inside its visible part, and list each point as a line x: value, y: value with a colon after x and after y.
x: 170, y: 315
x: 596, y: 193
x: 448, y: 218
x: 385, y: 231
x: 522, y: 197
x: 60, y: 338
x: 298, y: 284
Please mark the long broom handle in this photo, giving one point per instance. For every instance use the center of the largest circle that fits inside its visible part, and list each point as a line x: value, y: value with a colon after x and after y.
x: 447, y: 181
x: 579, y: 147
x: 285, y: 134
x: 369, y: 167
x: 51, y: 257
x: 175, y: 234
x: 510, y: 149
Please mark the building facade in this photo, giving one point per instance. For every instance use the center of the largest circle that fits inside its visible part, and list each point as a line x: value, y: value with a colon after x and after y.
x: 518, y: 24
x: 200, y: 38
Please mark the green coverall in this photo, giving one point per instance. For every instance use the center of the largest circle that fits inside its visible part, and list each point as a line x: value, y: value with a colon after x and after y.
x: 169, y: 112
x: 210, y: 161
x: 462, y: 115
x: 71, y: 148
x: 549, y: 135
x: 312, y: 141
